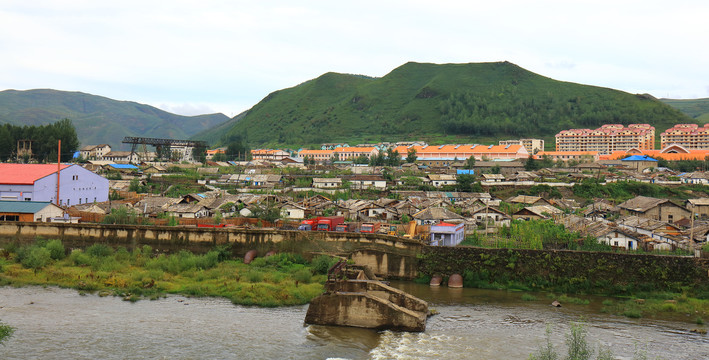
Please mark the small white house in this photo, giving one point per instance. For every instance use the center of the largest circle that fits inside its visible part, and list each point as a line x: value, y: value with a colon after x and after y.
x: 447, y: 234
x: 440, y: 180
x: 292, y: 211
x: 619, y: 239
x: 368, y: 182
x: 327, y: 183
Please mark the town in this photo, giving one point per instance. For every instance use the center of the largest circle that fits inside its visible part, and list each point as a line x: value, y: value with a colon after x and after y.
x: 607, y: 186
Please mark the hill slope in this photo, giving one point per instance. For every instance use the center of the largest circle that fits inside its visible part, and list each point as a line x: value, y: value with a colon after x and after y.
x: 478, y: 102
x: 695, y: 108
x: 99, y: 120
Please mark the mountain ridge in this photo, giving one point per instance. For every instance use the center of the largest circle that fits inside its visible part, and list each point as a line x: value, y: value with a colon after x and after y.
x: 98, y: 119
x: 473, y: 102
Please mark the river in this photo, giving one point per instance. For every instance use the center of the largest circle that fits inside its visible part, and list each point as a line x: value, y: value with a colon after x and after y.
x: 54, y: 323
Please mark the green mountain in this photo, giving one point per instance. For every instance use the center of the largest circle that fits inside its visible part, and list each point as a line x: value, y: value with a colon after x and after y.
x: 99, y: 120
x: 477, y: 102
x: 698, y: 109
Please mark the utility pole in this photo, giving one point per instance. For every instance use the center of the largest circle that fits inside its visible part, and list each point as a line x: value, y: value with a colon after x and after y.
x: 59, y: 167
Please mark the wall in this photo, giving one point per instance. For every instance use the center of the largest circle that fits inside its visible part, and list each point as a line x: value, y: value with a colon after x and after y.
x: 75, y: 183
x: 566, y: 271
x: 390, y: 256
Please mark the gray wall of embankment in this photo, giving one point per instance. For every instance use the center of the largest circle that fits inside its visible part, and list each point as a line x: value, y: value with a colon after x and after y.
x: 389, y: 256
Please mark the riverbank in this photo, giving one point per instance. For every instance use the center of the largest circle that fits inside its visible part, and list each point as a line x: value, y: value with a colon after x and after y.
x: 277, y: 280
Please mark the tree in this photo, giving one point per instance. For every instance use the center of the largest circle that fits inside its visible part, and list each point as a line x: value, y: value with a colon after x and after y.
x: 36, y: 258
x: 470, y: 163
x: 219, y: 157
x: 362, y: 159
x: 531, y: 164
x: 393, y: 158
x: 411, y: 156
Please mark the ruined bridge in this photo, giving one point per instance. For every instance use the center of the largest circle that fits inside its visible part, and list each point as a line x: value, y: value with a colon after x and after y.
x: 388, y: 256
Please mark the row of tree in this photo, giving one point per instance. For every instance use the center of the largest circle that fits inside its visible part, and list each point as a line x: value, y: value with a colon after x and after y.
x: 42, y: 139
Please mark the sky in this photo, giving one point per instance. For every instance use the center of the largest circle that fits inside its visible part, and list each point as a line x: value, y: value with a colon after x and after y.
x: 198, y: 57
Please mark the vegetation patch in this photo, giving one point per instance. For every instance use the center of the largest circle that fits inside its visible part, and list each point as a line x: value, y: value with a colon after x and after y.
x: 281, y: 279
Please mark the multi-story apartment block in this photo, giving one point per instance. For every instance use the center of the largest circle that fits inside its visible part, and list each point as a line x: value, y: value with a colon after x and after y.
x: 532, y: 145
x: 94, y: 152
x: 342, y: 153
x: 691, y: 136
x: 607, y: 138
x: 464, y: 151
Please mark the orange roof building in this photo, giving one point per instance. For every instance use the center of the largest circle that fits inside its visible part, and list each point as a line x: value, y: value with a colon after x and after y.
x: 568, y: 155
x: 343, y: 153
x: 269, y: 154
x: 607, y: 139
x: 670, y: 153
x: 464, y: 151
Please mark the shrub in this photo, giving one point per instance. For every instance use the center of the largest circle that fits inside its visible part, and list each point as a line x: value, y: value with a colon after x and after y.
x: 303, y: 276
x: 56, y: 249
x: 36, y: 258
x: 578, y: 348
x: 99, y: 250
x: 5, y: 332
x: 322, y: 264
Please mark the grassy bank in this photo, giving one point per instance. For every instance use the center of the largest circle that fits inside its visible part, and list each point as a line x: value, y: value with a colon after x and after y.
x: 282, y: 279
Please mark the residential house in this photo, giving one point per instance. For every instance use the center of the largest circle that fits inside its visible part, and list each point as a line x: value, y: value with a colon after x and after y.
x: 367, y: 182
x: 696, y: 177
x: 269, y: 154
x: 188, y: 211
x: 440, y: 180
x: 155, y: 169
x: 639, y: 162
x: 537, y: 212
x: 435, y: 215
x: 653, y: 208
x: 124, y: 157
x: 290, y: 210
x: 38, y: 182
x: 327, y: 183
x: 94, y: 152
x: 620, y: 238
x: 491, y: 215
x: 493, y: 178
x: 123, y: 168
x: 699, y: 207
x: 505, y: 168
x: 447, y: 234
x: 528, y: 200
x: 29, y: 210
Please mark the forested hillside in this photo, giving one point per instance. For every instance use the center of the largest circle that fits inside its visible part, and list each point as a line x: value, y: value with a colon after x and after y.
x: 99, y: 120
x: 695, y: 108
x: 479, y: 102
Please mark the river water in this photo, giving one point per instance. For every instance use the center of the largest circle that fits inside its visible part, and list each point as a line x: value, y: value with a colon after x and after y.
x: 53, y: 323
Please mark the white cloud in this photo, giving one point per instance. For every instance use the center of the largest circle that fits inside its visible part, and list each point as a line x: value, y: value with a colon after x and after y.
x: 215, y: 54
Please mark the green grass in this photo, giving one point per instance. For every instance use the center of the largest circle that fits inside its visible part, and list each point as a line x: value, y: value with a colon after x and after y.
x: 451, y: 103
x: 282, y: 279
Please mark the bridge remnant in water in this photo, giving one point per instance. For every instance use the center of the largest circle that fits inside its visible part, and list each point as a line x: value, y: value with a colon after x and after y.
x: 352, y: 299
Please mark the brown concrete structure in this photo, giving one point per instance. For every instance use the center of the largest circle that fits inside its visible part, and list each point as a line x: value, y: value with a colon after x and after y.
x: 367, y: 304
